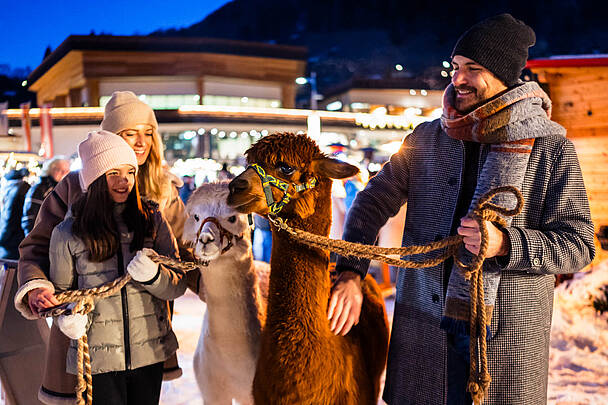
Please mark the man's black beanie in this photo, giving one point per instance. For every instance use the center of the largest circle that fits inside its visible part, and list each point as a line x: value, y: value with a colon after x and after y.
x: 500, y: 44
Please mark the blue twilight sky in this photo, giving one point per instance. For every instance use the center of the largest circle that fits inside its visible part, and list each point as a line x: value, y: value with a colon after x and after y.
x: 27, y: 27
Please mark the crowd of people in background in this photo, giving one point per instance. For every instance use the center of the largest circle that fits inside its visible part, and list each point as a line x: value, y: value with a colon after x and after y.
x: 21, y: 202
x: 23, y: 193
x: 53, y: 170
x: 13, y: 191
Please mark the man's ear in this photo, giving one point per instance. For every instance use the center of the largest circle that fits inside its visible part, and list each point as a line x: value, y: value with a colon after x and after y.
x: 333, y: 168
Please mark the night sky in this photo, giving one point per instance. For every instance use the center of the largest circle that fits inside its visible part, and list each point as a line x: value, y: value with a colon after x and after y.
x: 27, y: 27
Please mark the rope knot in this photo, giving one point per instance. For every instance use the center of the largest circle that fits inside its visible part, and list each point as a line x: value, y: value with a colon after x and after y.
x: 83, y: 305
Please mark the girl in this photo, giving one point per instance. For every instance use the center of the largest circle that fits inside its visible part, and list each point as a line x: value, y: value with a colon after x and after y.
x: 135, y: 122
x: 109, y: 232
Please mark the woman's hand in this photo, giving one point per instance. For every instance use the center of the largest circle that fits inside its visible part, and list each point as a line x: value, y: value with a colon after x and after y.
x: 41, y: 298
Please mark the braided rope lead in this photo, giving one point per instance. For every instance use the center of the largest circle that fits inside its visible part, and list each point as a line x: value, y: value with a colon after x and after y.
x: 479, y: 380
x: 479, y: 377
x: 83, y: 304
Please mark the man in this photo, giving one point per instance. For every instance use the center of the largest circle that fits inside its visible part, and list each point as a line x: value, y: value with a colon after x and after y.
x: 186, y: 190
x: 495, y: 130
x: 53, y: 171
x: 13, y: 195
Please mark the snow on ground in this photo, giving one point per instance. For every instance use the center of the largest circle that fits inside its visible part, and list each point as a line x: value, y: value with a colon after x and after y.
x: 578, y: 368
x: 578, y: 360
x: 187, y: 323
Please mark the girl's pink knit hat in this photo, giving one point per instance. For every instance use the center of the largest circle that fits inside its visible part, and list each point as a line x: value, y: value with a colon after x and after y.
x: 100, y: 152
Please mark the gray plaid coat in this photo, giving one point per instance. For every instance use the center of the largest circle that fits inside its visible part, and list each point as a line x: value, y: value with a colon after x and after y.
x: 552, y: 235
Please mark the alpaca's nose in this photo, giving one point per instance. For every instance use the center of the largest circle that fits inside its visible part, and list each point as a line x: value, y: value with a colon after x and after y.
x: 238, y: 185
x: 206, y: 237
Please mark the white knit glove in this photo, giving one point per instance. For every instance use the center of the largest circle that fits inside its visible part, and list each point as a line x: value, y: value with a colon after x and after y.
x: 141, y: 267
x: 73, y: 326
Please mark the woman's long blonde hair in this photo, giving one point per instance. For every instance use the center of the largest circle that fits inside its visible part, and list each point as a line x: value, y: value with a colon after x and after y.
x: 152, y: 179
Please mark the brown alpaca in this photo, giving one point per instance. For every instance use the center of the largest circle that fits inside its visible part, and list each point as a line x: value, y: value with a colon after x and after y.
x: 301, y: 361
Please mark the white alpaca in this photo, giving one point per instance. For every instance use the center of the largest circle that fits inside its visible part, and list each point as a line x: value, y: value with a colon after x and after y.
x: 227, y: 351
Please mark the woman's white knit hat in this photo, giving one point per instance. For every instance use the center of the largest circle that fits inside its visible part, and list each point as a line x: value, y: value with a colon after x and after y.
x: 124, y: 110
x: 100, y: 152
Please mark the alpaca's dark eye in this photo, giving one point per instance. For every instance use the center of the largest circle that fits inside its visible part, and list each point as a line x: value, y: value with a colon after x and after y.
x: 232, y: 219
x: 196, y: 218
x: 285, y: 169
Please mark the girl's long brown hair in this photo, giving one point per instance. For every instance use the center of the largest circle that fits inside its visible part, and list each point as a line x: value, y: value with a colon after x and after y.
x: 94, y: 220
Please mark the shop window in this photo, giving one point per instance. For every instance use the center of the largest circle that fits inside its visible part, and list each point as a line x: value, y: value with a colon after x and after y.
x: 162, y: 101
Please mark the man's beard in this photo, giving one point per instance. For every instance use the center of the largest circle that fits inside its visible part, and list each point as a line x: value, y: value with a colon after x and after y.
x: 473, y: 101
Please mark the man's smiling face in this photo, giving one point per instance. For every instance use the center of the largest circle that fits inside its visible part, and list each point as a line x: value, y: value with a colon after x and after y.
x: 473, y: 84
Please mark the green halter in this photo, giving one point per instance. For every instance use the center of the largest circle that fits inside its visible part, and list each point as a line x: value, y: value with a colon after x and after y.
x: 268, y: 181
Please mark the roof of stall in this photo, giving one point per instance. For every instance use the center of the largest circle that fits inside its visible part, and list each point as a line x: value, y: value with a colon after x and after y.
x: 166, y: 44
x: 569, y: 61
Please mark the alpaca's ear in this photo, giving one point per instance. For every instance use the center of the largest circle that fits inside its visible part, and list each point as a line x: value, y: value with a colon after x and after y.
x: 333, y: 168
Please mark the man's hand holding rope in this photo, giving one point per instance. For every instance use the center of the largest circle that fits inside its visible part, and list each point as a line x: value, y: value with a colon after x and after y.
x: 498, y: 241
x: 346, y: 296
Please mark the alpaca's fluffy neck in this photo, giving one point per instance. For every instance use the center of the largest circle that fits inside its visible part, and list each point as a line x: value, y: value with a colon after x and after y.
x: 299, y: 277
x: 232, y: 294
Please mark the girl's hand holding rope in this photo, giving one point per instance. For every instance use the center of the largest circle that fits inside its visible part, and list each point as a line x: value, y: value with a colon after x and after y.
x: 142, y: 268
x: 73, y: 326
x: 41, y: 298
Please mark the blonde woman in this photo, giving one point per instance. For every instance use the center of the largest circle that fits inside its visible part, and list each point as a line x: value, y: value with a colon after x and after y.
x: 134, y: 121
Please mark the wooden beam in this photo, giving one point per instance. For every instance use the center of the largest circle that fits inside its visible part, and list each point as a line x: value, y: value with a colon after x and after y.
x: 288, y: 95
x: 60, y: 100
x: 92, y: 92
x: 200, y: 87
x: 75, y: 97
x: 64, y: 75
x: 128, y: 64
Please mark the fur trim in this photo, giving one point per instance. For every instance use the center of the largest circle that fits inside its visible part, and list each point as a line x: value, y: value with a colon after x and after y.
x: 168, y: 189
x: 50, y: 399
x: 176, y: 181
x: 21, y: 296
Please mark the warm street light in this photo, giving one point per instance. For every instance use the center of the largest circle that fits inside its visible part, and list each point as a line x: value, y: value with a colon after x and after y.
x: 334, y: 105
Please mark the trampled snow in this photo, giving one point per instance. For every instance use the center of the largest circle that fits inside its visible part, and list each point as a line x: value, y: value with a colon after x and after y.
x: 578, y: 368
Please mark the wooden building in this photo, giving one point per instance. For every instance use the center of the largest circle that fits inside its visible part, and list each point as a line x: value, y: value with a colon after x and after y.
x: 169, y: 72
x: 578, y: 87
x: 396, y: 95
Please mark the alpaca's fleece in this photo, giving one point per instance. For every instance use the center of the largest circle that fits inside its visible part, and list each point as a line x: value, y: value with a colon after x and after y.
x: 228, y: 347
x: 301, y: 361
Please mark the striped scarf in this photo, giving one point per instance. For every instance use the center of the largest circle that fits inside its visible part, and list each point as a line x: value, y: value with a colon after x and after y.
x: 510, y: 123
